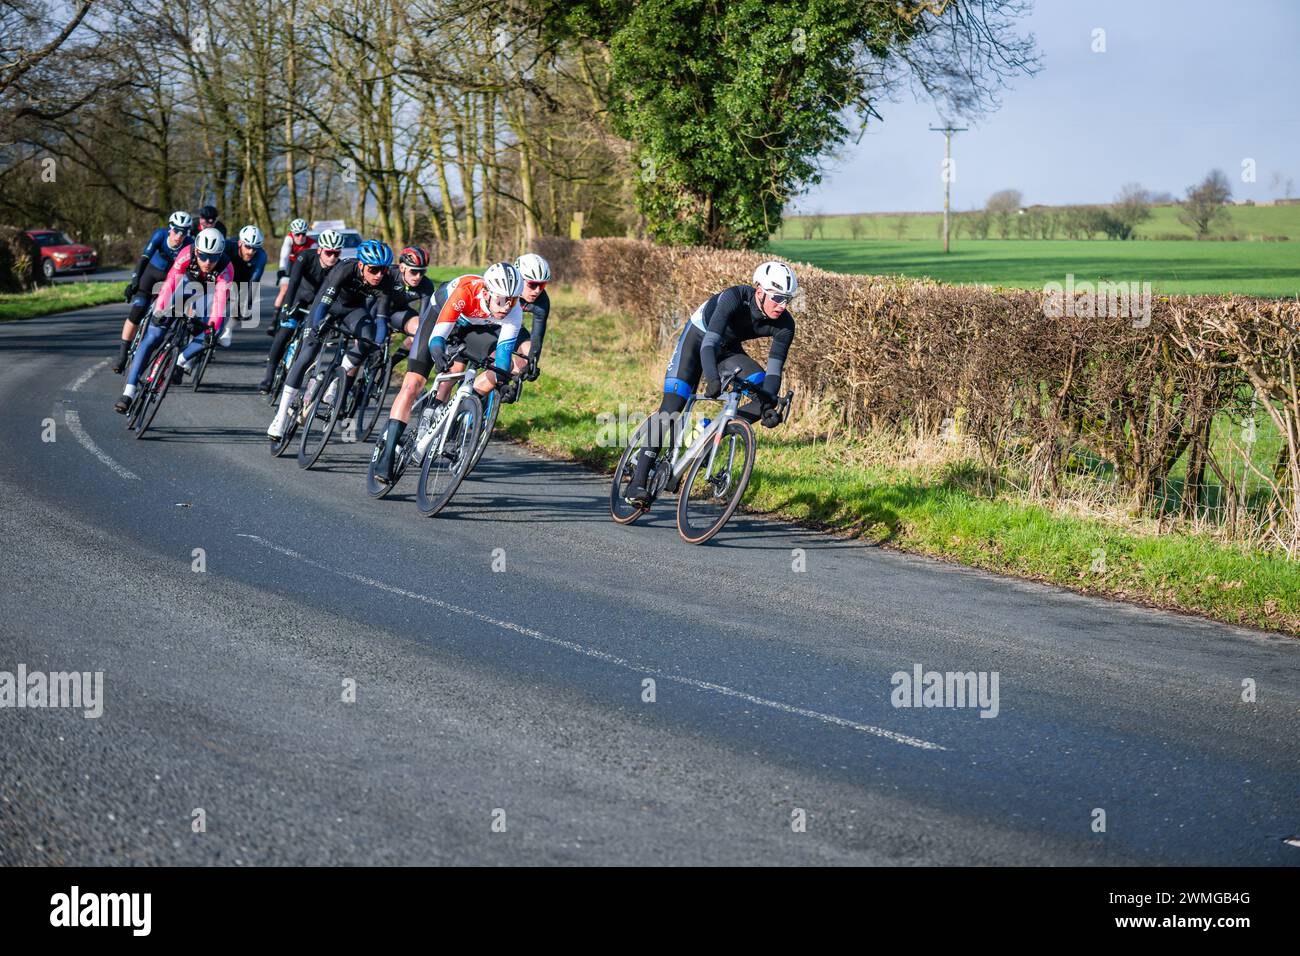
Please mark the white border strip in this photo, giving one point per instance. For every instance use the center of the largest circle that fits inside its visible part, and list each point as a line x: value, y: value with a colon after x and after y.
x: 74, y: 425
x: 85, y: 376
x: 604, y: 656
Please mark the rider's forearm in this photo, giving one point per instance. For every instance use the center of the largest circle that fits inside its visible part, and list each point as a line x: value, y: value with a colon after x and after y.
x: 537, y: 335
x: 772, y: 377
x: 709, y: 359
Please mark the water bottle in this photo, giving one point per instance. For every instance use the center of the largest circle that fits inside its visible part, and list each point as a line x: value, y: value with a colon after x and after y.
x: 425, y: 434
x: 700, y: 426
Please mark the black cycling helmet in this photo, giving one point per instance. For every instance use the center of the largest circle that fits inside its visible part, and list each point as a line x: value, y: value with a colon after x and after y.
x: 208, y: 212
x: 415, y: 257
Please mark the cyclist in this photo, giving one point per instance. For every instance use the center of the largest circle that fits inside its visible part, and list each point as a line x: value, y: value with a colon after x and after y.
x: 481, y: 311
x: 208, y: 219
x: 305, y: 279
x: 159, y: 254
x: 203, y: 264
x: 710, y: 345
x: 356, y: 294
x: 249, y: 260
x: 534, y: 301
x: 414, y: 290
x: 295, y: 244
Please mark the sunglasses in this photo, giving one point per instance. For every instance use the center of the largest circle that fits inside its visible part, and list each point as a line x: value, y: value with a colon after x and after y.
x: 209, y: 256
x: 537, y: 285
x: 375, y: 270
x: 414, y: 270
x: 778, y: 298
x: 179, y: 230
x: 330, y: 252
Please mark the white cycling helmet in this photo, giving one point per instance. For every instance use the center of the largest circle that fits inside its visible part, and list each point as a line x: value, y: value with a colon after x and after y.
x: 329, y: 239
x: 180, y: 219
x: 533, y: 267
x: 501, y: 278
x: 776, y: 277
x: 251, y: 236
x: 297, y: 227
x: 210, y: 242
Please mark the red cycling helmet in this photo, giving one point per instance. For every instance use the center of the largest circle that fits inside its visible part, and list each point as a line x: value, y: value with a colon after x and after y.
x: 415, y: 257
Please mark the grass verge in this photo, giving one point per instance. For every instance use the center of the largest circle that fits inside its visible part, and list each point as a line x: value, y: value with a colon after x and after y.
x: 58, y: 298
x: 595, y: 378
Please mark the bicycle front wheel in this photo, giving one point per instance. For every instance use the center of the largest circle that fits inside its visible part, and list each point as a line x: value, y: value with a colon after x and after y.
x: 370, y: 403
x: 160, y: 379
x: 204, y: 359
x: 715, y: 483
x: 485, y: 433
x: 442, y: 472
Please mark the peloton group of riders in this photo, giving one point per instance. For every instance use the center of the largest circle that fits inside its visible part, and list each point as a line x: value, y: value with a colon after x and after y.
x: 189, y: 266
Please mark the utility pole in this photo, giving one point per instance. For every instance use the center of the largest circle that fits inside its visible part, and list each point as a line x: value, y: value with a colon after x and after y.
x: 947, y: 171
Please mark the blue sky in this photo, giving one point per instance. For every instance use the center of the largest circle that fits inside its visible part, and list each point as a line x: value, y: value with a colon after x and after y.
x: 1184, y: 86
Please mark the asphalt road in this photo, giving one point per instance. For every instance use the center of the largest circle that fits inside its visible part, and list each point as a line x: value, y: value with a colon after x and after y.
x: 502, y: 716
x: 105, y: 274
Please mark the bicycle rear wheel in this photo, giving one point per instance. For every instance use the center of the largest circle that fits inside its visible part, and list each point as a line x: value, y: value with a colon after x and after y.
x: 442, y: 472
x: 376, y: 488
x: 620, y: 509
x: 278, y: 448
x: 322, y: 417
x: 715, y: 484
x: 282, y: 368
x: 142, y: 392
x: 159, y: 383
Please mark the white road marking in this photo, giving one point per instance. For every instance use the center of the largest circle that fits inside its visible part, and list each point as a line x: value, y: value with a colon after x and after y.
x: 603, y: 655
x: 74, y: 424
x: 85, y: 376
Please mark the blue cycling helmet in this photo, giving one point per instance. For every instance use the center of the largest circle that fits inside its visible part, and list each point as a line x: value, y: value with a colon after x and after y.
x: 375, y: 253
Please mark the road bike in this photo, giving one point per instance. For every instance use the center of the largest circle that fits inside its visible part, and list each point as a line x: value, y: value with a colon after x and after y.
x: 428, y: 416
x: 156, y: 377
x: 709, y: 474
x: 332, y: 395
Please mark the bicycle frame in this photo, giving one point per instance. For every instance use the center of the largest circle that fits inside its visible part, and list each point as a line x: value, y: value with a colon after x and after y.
x: 463, y: 391
x: 712, y: 434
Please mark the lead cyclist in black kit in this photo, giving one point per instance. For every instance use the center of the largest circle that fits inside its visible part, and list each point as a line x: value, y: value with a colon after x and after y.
x: 710, y: 346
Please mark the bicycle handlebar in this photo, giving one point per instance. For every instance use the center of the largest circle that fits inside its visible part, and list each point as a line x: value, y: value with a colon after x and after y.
x: 732, y: 381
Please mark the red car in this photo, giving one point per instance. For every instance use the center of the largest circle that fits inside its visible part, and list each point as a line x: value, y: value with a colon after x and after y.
x: 60, y: 255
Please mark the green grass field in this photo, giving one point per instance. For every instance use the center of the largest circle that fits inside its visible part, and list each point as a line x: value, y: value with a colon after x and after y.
x: 58, y: 298
x: 1248, y: 222
x: 1252, y: 268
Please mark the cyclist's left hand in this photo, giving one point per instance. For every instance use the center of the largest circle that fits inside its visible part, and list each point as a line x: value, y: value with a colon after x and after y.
x: 532, y: 371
